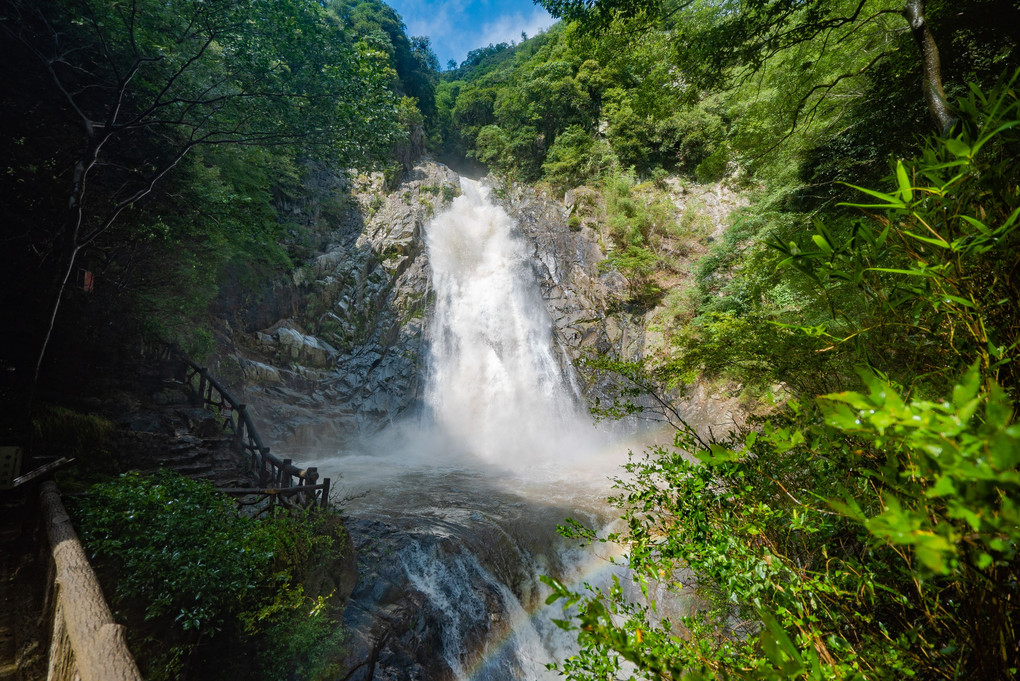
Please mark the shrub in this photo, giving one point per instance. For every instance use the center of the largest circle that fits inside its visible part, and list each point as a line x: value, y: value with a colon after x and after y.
x: 577, y: 157
x: 180, y: 556
x: 869, y: 533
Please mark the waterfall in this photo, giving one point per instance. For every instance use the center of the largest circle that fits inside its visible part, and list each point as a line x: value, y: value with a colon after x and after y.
x: 455, y: 513
x: 494, y: 384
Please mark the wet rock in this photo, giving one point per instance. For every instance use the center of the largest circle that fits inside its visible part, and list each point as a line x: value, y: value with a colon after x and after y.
x: 397, y: 629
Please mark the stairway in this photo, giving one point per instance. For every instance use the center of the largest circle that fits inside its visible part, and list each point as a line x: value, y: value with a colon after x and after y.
x: 170, y: 430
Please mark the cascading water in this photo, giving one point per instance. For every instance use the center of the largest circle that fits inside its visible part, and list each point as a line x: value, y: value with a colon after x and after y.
x: 494, y: 382
x: 457, y: 514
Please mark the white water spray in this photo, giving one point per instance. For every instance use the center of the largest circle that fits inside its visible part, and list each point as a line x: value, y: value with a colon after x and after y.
x: 494, y: 386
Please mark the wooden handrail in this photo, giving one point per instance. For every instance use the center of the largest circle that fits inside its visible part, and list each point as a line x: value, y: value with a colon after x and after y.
x: 86, y: 643
x: 270, y: 469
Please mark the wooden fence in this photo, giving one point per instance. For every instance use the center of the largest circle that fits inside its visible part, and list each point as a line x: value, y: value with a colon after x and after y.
x: 279, y: 480
x: 86, y: 643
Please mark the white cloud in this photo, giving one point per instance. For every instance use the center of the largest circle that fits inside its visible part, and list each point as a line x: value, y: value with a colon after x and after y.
x: 459, y: 26
x: 433, y: 19
x: 508, y: 27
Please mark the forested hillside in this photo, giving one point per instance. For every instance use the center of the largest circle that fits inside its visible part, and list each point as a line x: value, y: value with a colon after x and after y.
x: 166, y: 164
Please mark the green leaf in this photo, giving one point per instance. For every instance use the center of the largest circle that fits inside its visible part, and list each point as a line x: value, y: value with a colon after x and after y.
x: 960, y: 301
x: 912, y: 273
x: 565, y: 625
x: 942, y: 487
x: 932, y: 550
x: 976, y: 224
x: 822, y: 243
x: 880, y: 240
x: 957, y: 147
x: 901, y: 177
x: 889, y: 199
x: 941, y: 243
x: 968, y: 388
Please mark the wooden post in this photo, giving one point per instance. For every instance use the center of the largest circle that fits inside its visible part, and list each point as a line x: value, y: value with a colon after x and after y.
x: 202, y: 382
x: 285, y: 479
x: 265, y: 476
x: 61, y: 662
x: 239, y: 431
x: 325, y: 492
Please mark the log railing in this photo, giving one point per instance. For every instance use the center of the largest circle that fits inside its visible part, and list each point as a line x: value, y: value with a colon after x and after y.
x: 86, y: 643
x: 279, y: 479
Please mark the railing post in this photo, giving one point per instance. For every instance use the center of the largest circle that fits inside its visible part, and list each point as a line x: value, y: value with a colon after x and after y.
x: 265, y: 475
x: 239, y: 430
x: 270, y: 471
x: 97, y: 642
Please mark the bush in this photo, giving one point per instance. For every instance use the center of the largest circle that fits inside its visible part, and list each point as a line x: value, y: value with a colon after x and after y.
x: 577, y: 157
x: 637, y: 264
x: 869, y: 533
x: 871, y: 537
x: 180, y: 556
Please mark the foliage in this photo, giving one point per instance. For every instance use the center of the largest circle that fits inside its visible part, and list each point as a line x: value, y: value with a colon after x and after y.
x: 939, y: 259
x: 637, y: 264
x: 865, y: 533
x: 127, y: 96
x: 182, y: 556
x: 414, y: 65
x: 879, y: 542
x: 577, y: 157
x: 713, y: 39
x: 59, y: 431
x: 567, y: 108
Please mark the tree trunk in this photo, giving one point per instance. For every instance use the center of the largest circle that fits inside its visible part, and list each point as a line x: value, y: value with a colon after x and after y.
x: 71, y: 240
x: 931, y: 67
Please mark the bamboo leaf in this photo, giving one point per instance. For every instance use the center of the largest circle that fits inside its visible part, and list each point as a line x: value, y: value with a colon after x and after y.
x: 890, y: 200
x: 958, y: 147
x: 941, y: 243
x: 821, y: 243
x: 913, y: 273
x: 880, y: 241
x: 977, y: 224
x: 904, y: 181
x: 960, y: 301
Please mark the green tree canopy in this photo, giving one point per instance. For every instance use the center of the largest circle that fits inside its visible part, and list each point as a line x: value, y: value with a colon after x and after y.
x: 124, y: 92
x: 714, y: 39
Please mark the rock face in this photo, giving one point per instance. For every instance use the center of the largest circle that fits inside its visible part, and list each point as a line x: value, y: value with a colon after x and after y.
x: 348, y: 359
x: 583, y: 298
x: 397, y: 631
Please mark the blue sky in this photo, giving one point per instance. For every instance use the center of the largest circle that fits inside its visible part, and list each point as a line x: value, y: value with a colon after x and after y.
x: 459, y: 26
